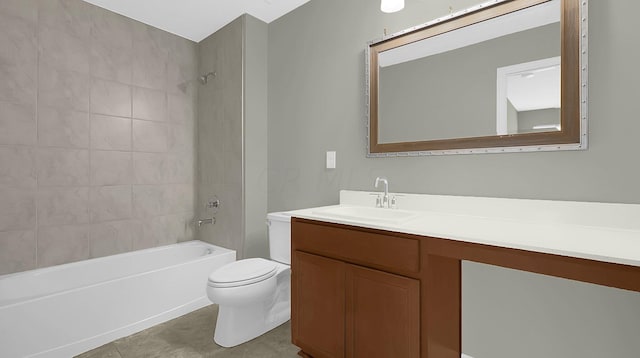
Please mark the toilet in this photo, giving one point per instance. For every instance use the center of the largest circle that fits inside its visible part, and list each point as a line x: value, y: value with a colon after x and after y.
x: 253, y: 295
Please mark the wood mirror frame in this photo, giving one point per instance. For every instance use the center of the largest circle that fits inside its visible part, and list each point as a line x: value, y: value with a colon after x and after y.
x: 572, y: 136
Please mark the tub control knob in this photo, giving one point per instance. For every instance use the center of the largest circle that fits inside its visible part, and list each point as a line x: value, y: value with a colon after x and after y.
x: 213, y: 204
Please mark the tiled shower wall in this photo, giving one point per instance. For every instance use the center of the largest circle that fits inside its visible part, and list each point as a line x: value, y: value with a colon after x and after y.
x: 97, y: 118
x: 220, y: 132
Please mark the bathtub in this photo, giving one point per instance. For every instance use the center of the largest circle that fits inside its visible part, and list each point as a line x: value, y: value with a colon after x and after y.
x: 65, y: 310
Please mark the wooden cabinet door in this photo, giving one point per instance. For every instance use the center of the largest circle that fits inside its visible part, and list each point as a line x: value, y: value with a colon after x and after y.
x: 317, y: 303
x: 383, y: 314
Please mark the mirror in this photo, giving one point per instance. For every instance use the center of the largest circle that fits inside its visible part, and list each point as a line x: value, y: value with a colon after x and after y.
x: 502, y: 76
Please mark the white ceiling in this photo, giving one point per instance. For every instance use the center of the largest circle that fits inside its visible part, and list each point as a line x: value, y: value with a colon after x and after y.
x: 196, y: 19
x: 537, y: 89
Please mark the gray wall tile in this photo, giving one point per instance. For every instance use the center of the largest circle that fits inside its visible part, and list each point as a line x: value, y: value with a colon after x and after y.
x: 149, y: 136
x: 113, y: 237
x: 181, y: 108
x: 60, y: 49
x: 219, y: 103
x: 111, y: 168
x: 17, y: 40
x: 70, y: 16
x: 63, y: 89
x: 111, y: 63
x: 150, y: 168
x: 181, y: 226
x: 62, y: 244
x: 62, y: 128
x: 181, y: 80
x: 152, y: 43
x: 22, y: 9
x: 149, y: 67
x: 181, y: 138
x: 149, y: 104
x: 17, y: 251
x: 17, y: 124
x: 18, y: 167
x: 155, y: 232
x: 17, y: 209
x: 19, y: 82
x: 110, y: 98
x: 110, y: 133
x: 181, y: 198
x: 183, y: 53
x: 150, y: 200
x: 63, y: 206
x: 111, y: 29
x: 108, y: 203
x: 63, y: 167
x: 18, y: 54
x: 152, y: 38
x: 180, y: 168
x: 66, y: 133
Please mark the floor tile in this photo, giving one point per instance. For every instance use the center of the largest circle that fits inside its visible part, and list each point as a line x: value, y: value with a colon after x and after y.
x: 191, y: 336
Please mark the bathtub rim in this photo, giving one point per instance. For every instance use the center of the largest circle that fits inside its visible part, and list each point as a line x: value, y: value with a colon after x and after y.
x: 93, y: 284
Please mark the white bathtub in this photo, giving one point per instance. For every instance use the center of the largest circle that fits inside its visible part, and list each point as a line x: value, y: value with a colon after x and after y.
x: 65, y: 310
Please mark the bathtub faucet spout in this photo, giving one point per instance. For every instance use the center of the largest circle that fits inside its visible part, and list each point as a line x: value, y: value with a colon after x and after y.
x: 206, y: 221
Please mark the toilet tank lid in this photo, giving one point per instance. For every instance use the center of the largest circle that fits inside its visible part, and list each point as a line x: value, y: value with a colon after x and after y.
x: 280, y: 216
x: 243, y: 270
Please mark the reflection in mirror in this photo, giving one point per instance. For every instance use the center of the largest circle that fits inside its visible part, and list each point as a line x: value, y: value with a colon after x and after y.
x: 487, y: 77
x: 528, y: 97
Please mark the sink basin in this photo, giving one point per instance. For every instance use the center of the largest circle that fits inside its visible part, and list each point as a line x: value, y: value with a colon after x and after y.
x: 382, y: 215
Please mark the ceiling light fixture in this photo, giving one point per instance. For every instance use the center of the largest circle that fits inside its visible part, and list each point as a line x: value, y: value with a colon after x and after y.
x: 547, y: 126
x: 390, y: 6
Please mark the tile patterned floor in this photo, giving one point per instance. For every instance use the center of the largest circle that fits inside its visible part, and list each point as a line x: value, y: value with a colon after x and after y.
x: 191, y: 336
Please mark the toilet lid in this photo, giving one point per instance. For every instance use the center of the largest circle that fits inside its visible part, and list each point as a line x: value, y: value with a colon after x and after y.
x: 243, y: 272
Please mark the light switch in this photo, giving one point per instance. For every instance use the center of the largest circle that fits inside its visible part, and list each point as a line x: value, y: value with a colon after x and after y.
x: 331, y: 160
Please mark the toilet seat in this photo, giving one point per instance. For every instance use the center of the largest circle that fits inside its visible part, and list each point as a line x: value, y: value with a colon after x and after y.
x: 242, y: 273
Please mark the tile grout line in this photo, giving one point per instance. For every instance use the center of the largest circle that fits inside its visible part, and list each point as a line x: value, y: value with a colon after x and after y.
x: 90, y: 146
x: 131, y: 156
x: 37, y: 148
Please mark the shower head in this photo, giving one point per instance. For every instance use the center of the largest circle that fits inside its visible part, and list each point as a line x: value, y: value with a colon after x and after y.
x: 204, y: 79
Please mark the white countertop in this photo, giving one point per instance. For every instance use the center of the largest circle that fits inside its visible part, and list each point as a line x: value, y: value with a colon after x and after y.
x: 580, y: 230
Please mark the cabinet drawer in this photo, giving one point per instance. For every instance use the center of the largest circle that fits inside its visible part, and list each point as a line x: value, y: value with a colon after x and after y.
x: 382, y: 250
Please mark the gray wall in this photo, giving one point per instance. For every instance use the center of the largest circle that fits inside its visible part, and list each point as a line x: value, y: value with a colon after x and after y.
x: 423, y: 100
x: 96, y: 134
x: 510, y: 314
x: 255, y: 139
x: 232, y: 145
x: 316, y: 103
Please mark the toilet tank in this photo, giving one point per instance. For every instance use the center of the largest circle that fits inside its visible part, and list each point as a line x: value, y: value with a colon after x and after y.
x: 280, y: 237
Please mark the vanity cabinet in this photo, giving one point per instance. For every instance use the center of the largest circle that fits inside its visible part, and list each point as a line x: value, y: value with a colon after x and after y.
x: 355, y: 292
x: 318, y: 306
x: 362, y: 292
x: 382, y: 314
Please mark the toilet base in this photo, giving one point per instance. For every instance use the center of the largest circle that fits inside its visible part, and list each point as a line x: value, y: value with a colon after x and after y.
x: 239, y: 324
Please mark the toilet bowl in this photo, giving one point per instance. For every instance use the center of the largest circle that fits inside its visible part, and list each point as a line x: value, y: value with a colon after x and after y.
x: 253, y: 295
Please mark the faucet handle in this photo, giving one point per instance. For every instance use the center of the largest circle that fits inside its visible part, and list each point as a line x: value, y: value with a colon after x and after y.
x: 378, y: 201
x: 392, y: 204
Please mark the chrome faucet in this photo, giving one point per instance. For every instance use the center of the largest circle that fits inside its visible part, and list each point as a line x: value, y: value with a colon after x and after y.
x: 206, y: 221
x: 385, y: 198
